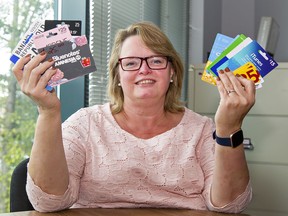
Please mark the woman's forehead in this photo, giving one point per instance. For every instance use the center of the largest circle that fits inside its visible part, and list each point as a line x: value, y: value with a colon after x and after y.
x: 135, y: 46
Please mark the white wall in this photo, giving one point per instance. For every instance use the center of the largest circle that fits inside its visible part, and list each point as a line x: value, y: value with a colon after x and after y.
x: 196, y: 32
x: 205, y: 23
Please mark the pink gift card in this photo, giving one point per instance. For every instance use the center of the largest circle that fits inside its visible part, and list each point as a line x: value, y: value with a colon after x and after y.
x: 52, y: 36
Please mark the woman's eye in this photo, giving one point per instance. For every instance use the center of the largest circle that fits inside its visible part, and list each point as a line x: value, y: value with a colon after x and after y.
x: 130, y: 64
x: 157, y: 61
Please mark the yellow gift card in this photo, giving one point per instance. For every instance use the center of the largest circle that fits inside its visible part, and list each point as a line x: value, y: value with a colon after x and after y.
x: 250, y: 72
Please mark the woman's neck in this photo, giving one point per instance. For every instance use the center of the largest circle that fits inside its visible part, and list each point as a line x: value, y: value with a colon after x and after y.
x: 146, y: 121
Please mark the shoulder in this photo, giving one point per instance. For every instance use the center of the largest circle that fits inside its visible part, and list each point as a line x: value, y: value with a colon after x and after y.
x: 198, y: 123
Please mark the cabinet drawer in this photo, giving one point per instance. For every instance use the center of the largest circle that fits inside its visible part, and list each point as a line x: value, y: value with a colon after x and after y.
x: 270, y: 191
x: 269, y: 137
x: 203, y: 97
x: 263, y: 213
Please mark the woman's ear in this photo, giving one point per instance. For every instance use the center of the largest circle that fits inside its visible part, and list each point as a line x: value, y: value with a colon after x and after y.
x: 171, y: 73
x: 171, y: 76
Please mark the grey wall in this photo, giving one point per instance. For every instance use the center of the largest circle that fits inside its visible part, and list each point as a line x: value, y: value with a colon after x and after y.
x: 238, y: 17
x: 232, y: 17
x: 212, y: 24
x: 278, y: 9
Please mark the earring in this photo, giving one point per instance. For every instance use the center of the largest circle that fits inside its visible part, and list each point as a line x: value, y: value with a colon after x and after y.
x: 171, y: 81
x: 119, y: 84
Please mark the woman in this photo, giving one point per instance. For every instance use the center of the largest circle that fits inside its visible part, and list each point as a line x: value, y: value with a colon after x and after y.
x: 144, y: 148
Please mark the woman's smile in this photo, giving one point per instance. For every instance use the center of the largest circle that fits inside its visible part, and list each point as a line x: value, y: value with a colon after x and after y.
x: 145, y: 82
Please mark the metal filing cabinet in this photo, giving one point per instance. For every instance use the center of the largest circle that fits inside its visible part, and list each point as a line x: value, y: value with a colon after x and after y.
x: 267, y: 126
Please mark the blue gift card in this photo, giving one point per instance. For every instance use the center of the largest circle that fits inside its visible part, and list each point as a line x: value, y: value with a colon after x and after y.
x: 254, y: 53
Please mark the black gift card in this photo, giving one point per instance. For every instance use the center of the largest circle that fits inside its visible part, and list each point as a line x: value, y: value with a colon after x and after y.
x: 73, y: 25
x: 72, y: 59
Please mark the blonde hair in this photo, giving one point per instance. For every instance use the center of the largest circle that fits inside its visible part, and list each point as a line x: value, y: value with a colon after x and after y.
x: 159, y: 43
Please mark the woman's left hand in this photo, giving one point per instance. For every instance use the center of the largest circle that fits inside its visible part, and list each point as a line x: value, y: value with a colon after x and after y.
x: 237, y: 96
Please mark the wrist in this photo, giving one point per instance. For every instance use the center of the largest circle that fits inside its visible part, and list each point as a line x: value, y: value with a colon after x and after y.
x: 227, y: 130
x: 49, y: 110
x: 233, y: 140
x: 49, y: 113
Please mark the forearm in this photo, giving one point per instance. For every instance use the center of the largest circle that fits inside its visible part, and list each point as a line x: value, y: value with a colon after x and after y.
x: 47, y: 165
x: 230, y: 176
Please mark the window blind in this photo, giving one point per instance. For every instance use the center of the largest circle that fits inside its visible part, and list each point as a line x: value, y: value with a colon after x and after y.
x: 175, y: 24
x: 107, y: 16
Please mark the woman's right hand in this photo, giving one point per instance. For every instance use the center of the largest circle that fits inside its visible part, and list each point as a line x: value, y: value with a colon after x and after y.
x: 47, y: 159
x: 33, y: 76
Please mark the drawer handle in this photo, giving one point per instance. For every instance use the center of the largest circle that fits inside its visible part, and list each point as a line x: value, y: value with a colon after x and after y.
x: 247, y: 144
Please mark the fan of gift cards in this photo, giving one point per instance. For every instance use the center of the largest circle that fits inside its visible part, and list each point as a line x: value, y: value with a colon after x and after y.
x: 63, y: 42
x: 242, y: 55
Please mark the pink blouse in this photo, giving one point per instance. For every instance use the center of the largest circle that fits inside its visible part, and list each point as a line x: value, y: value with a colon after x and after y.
x: 111, y: 168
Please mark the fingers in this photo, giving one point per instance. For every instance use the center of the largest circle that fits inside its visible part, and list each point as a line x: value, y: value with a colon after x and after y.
x: 31, y: 67
x: 18, y: 67
x: 44, y: 79
x: 220, y: 85
x: 229, y: 84
x: 247, y: 86
x: 226, y: 83
x: 33, y: 73
x: 237, y: 96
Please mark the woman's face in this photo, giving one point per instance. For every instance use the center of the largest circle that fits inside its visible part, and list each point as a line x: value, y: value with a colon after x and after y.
x: 144, y: 83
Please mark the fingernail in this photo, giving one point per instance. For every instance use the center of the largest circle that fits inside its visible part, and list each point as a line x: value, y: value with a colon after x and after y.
x: 28, y: 56
x: 221, y: 71
x: 50, y: 60
x: 53, y: 67
x: 238, y: 75
x: 218, y: 79
x: 43, y: 53
x: 227, y: 69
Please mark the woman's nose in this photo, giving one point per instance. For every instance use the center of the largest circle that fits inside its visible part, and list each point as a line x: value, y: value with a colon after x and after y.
x: 144, y: 69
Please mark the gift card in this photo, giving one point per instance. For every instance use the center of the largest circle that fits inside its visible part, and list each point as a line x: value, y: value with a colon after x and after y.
x: 221, y: 42
x: 52, y: 36
x: 26, y: 45
x: 235, y: 43
x: 255, y: 54
x: 73, y: 25
x: 208, y: 77
x: 72, y: 58
x: 220, y: 65
x: 249, y: 71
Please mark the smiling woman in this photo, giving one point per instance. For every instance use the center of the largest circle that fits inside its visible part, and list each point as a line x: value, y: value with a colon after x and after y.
x: 108, y: 16
x: 166, y: 149
x: 23, y: 111
x: 17, y: 114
